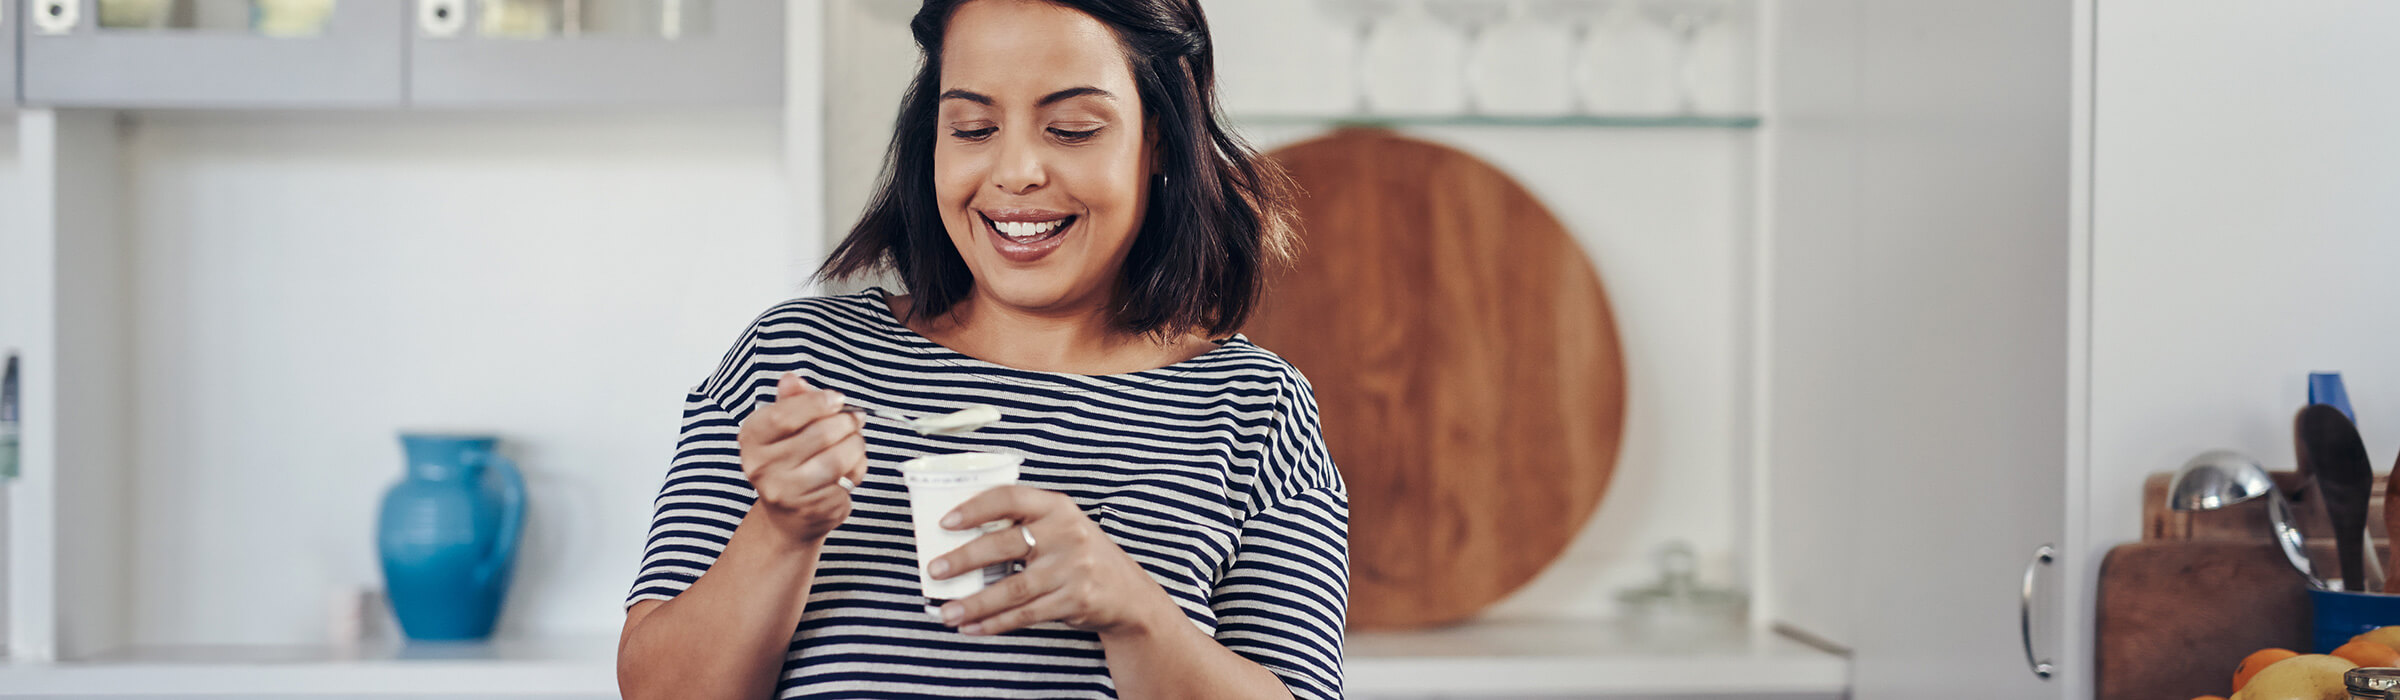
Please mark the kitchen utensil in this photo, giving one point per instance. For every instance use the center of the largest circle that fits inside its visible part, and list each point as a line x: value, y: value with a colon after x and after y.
x: 2220, y: 478
x: 1466, y: 364
x: 959, y: 422
x: 2329, y: 446
x: 2326, y: 388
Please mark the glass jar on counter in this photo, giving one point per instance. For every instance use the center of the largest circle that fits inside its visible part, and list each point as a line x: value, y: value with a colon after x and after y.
x: 2372, y: 683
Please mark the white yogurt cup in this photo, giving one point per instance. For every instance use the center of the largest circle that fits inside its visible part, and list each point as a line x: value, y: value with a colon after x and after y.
x: 936, y: 486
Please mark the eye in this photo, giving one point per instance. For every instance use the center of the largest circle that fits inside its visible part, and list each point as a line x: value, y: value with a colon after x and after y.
x: 1072, y: 136
x: 974, y: 134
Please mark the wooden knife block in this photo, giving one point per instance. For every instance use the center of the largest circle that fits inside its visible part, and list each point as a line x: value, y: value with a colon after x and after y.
x: 2178, y: 610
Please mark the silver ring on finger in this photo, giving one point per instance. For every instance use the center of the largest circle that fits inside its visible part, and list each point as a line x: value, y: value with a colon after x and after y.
x: 1027, y: 533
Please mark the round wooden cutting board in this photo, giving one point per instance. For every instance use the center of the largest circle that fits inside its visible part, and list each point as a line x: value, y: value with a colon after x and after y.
x: 1465, y: 364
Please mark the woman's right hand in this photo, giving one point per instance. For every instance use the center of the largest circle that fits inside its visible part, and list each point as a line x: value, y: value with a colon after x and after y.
x: 796, y: 453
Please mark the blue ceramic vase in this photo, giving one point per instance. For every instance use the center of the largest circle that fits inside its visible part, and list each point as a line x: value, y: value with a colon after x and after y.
x: 448, y: 536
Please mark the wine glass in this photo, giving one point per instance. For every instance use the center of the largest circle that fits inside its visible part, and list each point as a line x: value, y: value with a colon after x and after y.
x: 1361, y: 15
x: 1685, y: 18
x: 1471, y: 17
x: 1579, y: 16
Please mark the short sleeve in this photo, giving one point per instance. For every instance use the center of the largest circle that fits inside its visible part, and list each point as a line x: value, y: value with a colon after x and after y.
x: 705, y: 494
x: 1283, y: 598
x: 703, y: 499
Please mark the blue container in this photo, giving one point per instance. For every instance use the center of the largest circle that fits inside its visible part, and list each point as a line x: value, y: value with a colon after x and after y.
x: 2341, y: 615
x: 2326, y: 388
x: 448, y: 536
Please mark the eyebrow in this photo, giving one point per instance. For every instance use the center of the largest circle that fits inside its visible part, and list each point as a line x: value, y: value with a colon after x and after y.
x: 1047, y: 100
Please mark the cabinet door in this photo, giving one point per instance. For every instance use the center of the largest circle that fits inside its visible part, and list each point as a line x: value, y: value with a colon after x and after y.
x: 466, y: 53
x: 212, y: 53
x: 1920, y: 325
x: 8, y: 53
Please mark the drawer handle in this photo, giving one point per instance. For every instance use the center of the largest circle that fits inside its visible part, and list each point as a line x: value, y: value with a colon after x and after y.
x: 2043, y: 556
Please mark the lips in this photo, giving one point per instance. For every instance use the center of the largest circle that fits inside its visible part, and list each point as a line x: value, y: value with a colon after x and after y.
x: 1025, y: 238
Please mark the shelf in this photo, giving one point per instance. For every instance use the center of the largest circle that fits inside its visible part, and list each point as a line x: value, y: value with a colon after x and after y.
x: 729, y: 57
x: 572, y: 667
x: 1568, y: 121
x: 1588, y: 658
x: 353, y: 60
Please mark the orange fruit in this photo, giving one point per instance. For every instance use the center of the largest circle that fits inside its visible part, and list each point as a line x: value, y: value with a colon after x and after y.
x: 2387, y: 636
x: 2257, y: 661
x: 2369, y: 654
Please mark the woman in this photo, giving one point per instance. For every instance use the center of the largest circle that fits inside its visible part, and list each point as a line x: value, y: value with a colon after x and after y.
x: 1079, y: 238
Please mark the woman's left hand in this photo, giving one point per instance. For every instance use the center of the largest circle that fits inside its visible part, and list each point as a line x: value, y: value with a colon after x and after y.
x: 1073, y: 572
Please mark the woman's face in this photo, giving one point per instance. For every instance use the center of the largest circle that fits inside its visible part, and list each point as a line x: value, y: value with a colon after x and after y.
x: 1041, y: 161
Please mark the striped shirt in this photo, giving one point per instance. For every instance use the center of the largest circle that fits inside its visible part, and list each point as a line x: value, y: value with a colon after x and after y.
x: 1209, y: 472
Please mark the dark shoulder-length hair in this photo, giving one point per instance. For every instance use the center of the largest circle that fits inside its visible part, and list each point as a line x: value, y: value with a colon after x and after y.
x: 1221, y: 218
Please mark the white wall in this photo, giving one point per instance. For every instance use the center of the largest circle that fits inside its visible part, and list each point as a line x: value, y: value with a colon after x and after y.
x: 309, y: 284
x: 2245, y: 233
x: 1664, y: 214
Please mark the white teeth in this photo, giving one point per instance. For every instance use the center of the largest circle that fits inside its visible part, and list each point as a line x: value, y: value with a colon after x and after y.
x: 1026, y: 229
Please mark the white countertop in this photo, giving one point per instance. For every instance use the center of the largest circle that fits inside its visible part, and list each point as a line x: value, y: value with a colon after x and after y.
x: 1591, y: 658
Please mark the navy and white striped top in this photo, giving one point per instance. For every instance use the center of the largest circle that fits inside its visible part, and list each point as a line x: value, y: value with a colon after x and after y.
x: 1209, y: 472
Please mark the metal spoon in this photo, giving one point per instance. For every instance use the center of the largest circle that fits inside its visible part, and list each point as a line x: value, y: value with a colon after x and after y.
x: 2220, y: 478
x: 960, y: 422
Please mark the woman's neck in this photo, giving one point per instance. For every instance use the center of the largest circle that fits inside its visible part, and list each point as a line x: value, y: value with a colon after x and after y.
x: 1081, y: 340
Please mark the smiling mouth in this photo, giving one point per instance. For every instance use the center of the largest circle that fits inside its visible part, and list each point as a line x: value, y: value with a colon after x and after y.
x: 1030, y: 232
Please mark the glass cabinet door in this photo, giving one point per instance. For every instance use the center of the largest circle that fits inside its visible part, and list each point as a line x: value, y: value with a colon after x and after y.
x: 466, y: 53
x: 213, y: 53
x: 9, y: 19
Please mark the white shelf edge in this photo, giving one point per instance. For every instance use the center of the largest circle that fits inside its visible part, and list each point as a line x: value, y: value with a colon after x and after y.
x: 578, y: 678
x: 1580, y: 657
x: 1731, y: 674
x: 1645, y: 676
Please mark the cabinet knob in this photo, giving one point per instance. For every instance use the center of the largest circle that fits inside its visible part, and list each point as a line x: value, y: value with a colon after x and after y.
x: 57, y: 16
x: 441, y: 18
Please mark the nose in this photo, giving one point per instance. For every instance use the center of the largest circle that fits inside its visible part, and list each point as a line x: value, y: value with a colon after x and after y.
x: 1019, y: 168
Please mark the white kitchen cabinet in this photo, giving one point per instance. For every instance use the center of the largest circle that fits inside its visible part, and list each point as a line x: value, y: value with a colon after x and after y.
x: 9, y: 19
x: 209, y: 53
x: 554, y: 53
x: 388, y: 54
x: 1924, y: 332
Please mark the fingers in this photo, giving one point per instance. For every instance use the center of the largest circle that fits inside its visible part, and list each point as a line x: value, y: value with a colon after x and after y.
x: 1013, y: 503
x: 817, y: 472
x: 1058, y: 604
x: 1018, y: 601
x: 796, y: 406
x: 1000, y: 545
